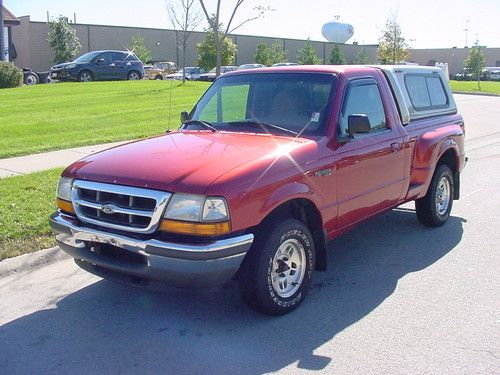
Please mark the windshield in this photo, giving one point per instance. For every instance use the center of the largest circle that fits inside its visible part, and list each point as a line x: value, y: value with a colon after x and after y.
x: 87, y: 57
x: 297, y: 102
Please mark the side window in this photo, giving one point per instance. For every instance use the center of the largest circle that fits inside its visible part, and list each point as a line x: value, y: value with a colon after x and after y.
x: 436, y: 91
x: 417, y: 89
x: 118, y: 56
x: 107, y: 56
x: 363, y: 99
x: 425, y: 91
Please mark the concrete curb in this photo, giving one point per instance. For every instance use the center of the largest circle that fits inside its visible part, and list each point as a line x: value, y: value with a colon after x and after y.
x: 28, y: 262
x: 475, y: 93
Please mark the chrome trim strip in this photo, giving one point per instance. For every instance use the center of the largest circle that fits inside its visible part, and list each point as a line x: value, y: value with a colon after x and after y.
x: 80, y: 234
x: 116, y: 209
x: 160, y: 197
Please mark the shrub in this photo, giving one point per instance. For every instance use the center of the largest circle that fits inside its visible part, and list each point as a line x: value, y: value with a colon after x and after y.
x: 10, y: 75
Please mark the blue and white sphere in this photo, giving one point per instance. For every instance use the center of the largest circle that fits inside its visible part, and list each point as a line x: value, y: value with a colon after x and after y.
x: 337, y: 32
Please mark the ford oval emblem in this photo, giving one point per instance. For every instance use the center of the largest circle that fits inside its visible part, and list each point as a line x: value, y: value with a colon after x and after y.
x: 108, y: 209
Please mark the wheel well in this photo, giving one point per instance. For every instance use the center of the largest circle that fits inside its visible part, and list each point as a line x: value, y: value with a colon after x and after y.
x: 305, y: 211
x: 449, y: 158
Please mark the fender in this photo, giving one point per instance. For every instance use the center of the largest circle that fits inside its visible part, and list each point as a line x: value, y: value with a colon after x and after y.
x: 287, y: 192
x: 429, y: 148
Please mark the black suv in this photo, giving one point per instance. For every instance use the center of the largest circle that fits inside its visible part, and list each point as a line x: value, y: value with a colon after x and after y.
x: 100, y: 65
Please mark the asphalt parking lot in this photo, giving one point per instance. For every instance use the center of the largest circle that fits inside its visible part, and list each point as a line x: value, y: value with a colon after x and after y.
x: 397, y: 298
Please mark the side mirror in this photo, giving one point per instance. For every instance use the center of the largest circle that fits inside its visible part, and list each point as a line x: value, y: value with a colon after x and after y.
x: 358, y: 124
x: 100, y: 61
x: 184, y: 117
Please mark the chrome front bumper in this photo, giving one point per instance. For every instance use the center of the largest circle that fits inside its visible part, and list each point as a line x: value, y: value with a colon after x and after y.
x: 179, y: 264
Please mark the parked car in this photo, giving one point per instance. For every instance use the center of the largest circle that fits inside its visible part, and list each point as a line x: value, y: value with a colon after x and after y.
x: 211, y: 75
x: 251, y: 66
x: 285, y: 64
x: 266, y: 168
x: 100, y: 65
x: 495, y: 75
x: 192, y: 73
x: 160, y: 70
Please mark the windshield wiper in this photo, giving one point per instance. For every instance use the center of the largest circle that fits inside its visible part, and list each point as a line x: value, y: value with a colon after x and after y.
x: 204, y: 124
x: 265, y: 125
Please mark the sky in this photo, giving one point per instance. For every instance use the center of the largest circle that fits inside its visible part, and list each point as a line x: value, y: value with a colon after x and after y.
x: 424, y: 23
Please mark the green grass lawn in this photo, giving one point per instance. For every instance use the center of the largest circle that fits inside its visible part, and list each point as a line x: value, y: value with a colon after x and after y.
x: 25, y: 205
x: 471, y: 86
x: 63, y: 115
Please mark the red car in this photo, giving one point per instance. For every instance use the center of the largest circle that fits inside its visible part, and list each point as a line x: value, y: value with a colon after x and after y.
x: 268, y: 166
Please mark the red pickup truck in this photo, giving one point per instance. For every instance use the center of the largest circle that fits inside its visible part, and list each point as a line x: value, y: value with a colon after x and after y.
x: 268, y: 166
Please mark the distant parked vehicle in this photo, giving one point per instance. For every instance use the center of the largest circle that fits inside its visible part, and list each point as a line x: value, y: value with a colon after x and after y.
x: 211, y: 75
x: 100, y: 65
x: 192, y: 73
x: 160, y: 70
x: 495, y: 76
x: 32, y: 78
x: 251, y: 66
x: 285, y: 64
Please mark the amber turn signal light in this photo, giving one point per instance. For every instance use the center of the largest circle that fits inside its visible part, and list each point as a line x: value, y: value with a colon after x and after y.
x: 195, y: 229
x: 65, y: 206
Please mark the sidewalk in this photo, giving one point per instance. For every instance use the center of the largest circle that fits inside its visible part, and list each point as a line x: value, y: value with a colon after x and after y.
x: 38, y: 162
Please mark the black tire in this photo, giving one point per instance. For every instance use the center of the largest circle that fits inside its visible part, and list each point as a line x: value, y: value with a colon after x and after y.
x: 431, y: 209
x: 258, y: 271
x: 30, y: 79
x: 159, y: 77
x: 85, y: 76
x: 134, y: 75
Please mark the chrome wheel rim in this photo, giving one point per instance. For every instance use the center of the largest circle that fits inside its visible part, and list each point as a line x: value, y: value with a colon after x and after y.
x: 289, y: 268
x: 133, y: 76
x: 30, y: 80
x: 443, y: 195
x: 85, y: 77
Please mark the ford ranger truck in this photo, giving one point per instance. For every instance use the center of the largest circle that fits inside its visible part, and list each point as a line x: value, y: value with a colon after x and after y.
x: 267, y: 167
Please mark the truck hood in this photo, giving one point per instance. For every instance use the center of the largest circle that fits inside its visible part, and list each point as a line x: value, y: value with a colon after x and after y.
x: 187, y: 161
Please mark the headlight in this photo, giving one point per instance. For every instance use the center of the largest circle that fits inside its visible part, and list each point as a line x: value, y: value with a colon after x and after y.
x: 64, y: 188
x: 196, y: 208
x: 70, y: 66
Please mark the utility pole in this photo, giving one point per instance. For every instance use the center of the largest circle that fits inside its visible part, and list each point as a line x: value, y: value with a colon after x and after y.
x: 466, y: 33
x: 2, y: 46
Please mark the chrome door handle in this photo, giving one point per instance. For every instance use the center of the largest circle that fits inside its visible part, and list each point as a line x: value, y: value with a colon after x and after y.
x: 395, y: 147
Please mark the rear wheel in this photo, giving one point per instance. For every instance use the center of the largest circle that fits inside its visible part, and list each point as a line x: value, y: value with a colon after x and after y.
x: 277, y: 271
x: 30, y: 79
x: 133, y: 76
x: 434, y: 209
x: 159, y: 77
x: 85, y: 76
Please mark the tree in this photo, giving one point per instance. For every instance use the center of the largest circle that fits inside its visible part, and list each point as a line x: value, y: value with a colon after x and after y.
x: 62, y: 37
x: 269, y: 55
x: 336, y: 56
x: 138, y: 47
x: 184, y: 18
x: 474, y: 63
x: 308, y: 55
x: 361, y: 57
x: 207, y: 51
x: 221, y: 34
x: 392, y: 47
x: 263, y: 54
x: 278, y: 53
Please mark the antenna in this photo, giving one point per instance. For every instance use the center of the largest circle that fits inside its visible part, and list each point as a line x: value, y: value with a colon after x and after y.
x: 170, y: 105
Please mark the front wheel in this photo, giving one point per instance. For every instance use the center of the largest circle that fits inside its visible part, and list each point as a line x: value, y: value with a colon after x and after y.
x: 85, y: 76
x: 277, y: 271
x: 433, y: 210
x: 133, y: 76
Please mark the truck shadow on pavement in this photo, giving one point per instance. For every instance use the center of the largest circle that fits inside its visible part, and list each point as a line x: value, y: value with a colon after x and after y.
x: 110, y: 328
